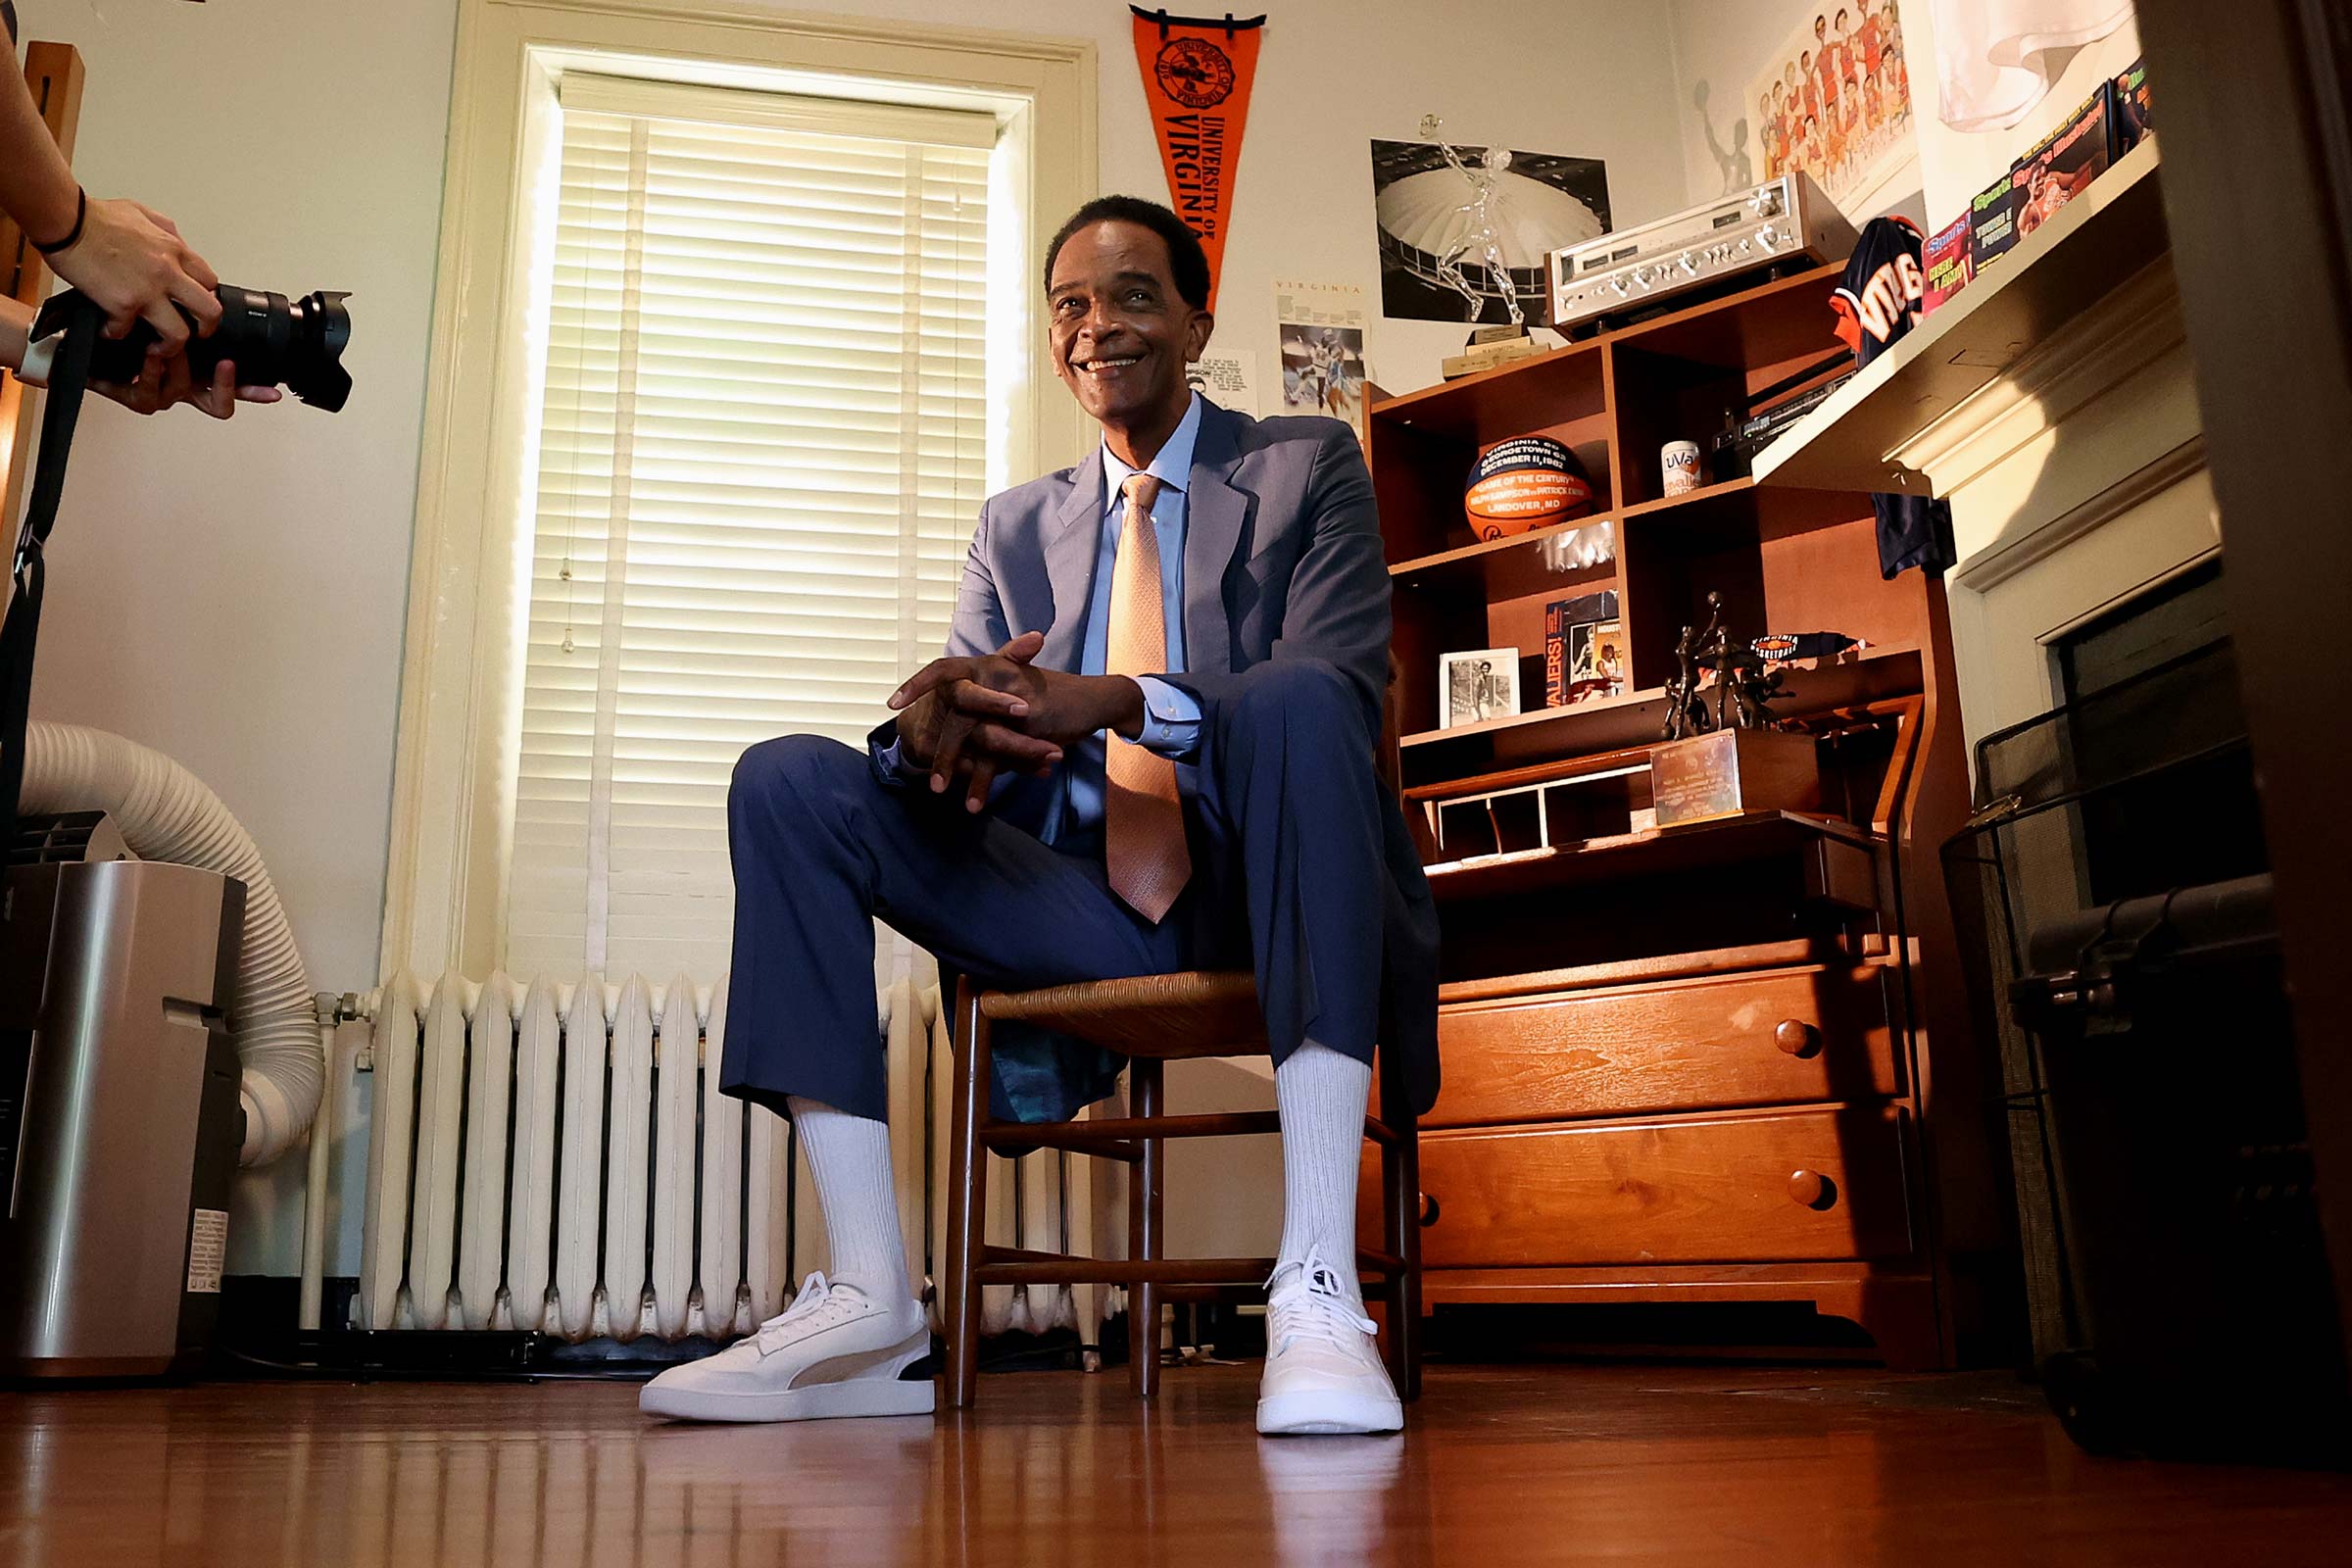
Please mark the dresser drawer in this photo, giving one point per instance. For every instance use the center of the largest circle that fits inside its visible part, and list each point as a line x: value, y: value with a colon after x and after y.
x: 1810, y: 1186
x: 1777, y: 1037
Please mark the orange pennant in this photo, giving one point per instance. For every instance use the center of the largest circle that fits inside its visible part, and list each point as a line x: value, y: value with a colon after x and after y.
x: 1196, y: 76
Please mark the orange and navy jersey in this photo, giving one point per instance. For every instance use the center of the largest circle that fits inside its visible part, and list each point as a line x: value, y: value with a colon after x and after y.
x: 1879, y: 299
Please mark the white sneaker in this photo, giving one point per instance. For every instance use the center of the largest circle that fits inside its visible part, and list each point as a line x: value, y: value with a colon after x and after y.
x: 1323, y: 1370
x: 835, y: 1351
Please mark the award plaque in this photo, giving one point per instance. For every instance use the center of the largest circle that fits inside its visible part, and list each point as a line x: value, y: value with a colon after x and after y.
x: 1729, y: 771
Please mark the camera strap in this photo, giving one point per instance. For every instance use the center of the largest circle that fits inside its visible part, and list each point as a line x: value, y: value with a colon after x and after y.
x: 68, y: 375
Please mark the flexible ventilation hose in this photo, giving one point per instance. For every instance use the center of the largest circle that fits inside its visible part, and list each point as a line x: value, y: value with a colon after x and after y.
x: 166, y: 814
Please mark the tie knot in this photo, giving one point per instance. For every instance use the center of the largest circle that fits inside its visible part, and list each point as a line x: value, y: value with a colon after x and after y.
x: 1141, y: 490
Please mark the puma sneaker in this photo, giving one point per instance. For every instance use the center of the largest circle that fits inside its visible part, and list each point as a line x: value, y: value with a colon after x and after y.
x: 1323, y: 1369
x: 835, y: 1351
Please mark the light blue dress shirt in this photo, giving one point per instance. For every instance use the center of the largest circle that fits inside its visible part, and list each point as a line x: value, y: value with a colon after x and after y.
x: 1171, y: 718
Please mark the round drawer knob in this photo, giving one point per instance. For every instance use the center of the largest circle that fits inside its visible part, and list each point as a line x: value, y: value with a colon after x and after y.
x: 1795, y: 1037
x: 1812, y: 1189
x: 1429, y: 1210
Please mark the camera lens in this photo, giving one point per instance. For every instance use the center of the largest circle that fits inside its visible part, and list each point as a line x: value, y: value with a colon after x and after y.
x: 274, y: 340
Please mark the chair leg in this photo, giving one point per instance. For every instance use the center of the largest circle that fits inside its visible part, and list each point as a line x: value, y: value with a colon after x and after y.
x: 1400, y: 1175
x: 1144, y: 1203
x: 967, y: 1196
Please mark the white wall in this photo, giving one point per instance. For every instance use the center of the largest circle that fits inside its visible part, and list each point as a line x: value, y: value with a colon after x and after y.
x: 235, y: 596
x: 1719, y: 44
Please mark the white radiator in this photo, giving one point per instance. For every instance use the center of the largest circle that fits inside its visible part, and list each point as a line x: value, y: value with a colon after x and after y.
x: 554, y: 1155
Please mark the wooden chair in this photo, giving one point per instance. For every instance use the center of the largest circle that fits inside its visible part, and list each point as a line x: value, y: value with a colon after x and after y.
x: 1154, y: 1019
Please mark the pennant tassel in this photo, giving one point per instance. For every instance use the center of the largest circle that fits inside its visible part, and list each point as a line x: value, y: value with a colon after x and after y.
x: 1196, y: 78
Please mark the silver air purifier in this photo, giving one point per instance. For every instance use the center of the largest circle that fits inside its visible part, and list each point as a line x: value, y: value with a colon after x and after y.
x: 120, y: 1120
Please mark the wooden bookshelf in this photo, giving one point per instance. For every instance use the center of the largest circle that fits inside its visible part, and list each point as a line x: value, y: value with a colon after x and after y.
x: 1582, y: 941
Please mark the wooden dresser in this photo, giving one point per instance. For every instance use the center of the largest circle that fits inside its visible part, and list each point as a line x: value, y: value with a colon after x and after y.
x: 1726, y: 1062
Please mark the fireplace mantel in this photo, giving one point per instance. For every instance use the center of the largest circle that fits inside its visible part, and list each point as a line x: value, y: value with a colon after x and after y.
x: 2053, y: 403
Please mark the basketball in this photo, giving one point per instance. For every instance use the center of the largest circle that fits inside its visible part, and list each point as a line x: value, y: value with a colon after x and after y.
x: 1530, y: 481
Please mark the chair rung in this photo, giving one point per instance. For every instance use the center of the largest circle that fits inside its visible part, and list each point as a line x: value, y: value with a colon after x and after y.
x: 1073, y: 1137
x: 1120, y: 1138
x: 1022, y: 1254
x: 1014, y: 1265
x: 1125, y: 1271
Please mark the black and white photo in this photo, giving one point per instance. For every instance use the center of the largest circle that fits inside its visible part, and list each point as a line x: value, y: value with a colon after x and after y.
x: 1478, y: 684
x: 1425, y: 208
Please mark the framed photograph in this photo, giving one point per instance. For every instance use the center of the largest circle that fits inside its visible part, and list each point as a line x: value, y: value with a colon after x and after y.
x: 1423, y: 203
x: 1596, y: 660
x: 1478, y: 685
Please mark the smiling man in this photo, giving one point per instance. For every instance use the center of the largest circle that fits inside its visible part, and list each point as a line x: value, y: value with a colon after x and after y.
x: 1151, y: 747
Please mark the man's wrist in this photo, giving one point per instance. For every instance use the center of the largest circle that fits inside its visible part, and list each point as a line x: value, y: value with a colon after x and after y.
x: 1124, y: 710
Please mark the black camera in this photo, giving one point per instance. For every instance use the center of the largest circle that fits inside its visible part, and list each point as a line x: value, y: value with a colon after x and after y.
x: 273, y: 340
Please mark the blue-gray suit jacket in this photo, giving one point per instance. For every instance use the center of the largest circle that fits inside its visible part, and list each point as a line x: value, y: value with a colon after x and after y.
x: 1282, y: 559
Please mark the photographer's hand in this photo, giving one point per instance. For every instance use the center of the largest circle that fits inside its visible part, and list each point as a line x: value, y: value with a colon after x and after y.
x: 131, y: 260
x: 126, y: 257
x: 166, y: 380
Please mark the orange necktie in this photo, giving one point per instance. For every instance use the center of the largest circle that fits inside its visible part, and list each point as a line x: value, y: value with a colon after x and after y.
x: 1143, y: 817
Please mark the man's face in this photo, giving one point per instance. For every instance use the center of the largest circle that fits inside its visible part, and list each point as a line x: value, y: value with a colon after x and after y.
x: 1121, y: 334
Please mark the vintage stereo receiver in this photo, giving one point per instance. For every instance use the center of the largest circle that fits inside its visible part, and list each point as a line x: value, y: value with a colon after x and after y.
x: 1782, y: 220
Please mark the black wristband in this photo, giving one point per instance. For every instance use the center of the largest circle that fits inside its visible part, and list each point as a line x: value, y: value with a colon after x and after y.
x: 81, y: 215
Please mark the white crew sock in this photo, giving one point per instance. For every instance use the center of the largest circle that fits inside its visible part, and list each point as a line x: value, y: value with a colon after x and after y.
x: 1321, y: 1095
x: 850, y: 1158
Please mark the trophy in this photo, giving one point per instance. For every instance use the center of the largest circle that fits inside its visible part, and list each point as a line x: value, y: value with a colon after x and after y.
x: 1479, y: 237
x: 1734, y: 761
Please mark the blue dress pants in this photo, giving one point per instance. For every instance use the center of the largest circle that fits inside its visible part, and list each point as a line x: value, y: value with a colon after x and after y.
x: 1282, y: 812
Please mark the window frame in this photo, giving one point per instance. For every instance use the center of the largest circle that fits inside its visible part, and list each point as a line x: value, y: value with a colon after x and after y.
x: 470, y: 561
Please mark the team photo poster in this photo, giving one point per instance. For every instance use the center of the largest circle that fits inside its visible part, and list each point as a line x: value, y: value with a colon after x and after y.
x: 1836, y: 102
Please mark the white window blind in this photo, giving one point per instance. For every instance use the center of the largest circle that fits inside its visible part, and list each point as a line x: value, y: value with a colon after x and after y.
x: 763, y: 443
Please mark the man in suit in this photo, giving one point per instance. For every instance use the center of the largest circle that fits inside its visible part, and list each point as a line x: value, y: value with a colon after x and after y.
x: 1151, y: 747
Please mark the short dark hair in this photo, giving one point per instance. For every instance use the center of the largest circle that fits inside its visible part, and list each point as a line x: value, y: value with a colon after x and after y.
x: 1187, y: 263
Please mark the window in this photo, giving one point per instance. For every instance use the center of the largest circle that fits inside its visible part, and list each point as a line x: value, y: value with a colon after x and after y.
x: 470, y: 871
x: 763, y: 443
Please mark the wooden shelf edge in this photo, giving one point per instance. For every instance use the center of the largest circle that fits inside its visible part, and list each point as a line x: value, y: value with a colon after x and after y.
x: 1754, y: 295
x: 1664, y: 507
x: 1710, y: 963
x: 1872, y: 1107
x: 1688, y: 497
x: 1534, y: 715
x: 1690, y: 1281
x: 1406, y: 403
x: 1445, y: 559
x: 2127, y: 197
x: 1805, y: 673
x: 1728, y: 839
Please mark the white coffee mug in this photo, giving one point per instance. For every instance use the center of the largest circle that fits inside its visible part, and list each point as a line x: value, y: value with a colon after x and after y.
x: 1679, y: 459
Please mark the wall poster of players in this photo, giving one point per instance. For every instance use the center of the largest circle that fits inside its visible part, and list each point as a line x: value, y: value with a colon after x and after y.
x: 1321, y: 326
x: 1836, y: 102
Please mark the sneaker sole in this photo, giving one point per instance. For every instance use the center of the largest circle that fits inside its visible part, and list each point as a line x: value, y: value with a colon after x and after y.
x: 1328, y: 1415
x: 821, y: 1401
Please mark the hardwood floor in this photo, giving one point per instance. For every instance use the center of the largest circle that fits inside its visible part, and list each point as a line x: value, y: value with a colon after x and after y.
x: 1501, y: 1466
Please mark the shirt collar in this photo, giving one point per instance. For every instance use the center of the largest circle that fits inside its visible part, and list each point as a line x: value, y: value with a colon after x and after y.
x: 1171, y: 466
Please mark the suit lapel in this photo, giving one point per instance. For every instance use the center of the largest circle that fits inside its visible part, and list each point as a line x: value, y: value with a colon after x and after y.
x: 1214, y: 518
x: 1073, y: 544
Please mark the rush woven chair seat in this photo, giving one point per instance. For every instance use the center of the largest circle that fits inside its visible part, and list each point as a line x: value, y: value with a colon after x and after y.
x: 1154, y: 1019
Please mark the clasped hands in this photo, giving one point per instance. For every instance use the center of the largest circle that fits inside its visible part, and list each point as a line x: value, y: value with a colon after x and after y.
x: 965, y: 720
